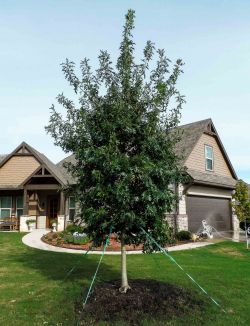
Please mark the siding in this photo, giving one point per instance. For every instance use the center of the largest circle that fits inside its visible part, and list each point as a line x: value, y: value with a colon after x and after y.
x: 17, y: 169
x: 196, y: 160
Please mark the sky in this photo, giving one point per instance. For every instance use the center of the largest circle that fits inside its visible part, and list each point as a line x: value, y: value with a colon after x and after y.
x: 211, y: 36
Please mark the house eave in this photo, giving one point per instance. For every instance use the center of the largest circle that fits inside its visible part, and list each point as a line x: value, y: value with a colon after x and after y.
x: 214, y: 184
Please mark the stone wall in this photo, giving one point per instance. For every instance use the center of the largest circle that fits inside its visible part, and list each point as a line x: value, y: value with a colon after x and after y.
x: 182, y: 222
x: 180, y: 219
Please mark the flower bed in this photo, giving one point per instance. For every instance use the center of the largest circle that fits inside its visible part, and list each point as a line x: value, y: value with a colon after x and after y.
x: 58, y: 239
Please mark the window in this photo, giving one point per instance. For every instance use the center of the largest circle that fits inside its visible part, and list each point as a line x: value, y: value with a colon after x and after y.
x: 209, y: 158
x: 5, y: 207
x: 19, y: 206
x: 72, y: 208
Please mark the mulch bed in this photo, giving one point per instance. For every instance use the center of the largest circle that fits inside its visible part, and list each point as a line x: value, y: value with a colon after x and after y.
x: 113, y: 246
x: 148, y: 299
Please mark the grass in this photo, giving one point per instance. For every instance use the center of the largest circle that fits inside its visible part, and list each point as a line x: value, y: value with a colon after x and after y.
x: 33, y: 289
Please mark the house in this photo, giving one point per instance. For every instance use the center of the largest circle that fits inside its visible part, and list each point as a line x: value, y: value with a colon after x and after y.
x: 208, y: 194
x: 31, y: 185
x: 30, y: 188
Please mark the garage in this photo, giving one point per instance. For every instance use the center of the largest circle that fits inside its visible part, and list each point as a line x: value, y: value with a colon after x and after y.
x: 216, y: 211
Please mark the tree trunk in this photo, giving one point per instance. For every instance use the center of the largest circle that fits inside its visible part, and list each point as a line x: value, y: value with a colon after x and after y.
x: 124, y: 284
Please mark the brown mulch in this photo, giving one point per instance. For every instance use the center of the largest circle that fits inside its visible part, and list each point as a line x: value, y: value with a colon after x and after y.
x: 148, y: 299
x: 113, y: 246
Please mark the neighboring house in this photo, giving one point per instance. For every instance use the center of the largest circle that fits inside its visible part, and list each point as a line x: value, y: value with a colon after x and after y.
x: 30, y: 184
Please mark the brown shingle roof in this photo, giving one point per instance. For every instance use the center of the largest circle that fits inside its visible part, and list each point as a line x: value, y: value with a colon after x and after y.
x: 2, y: 157
x: 190, y: 134
x: 64, y: 171
x: 212, y: 179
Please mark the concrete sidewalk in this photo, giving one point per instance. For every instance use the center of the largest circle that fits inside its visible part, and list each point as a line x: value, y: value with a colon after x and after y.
x: 33, y: 239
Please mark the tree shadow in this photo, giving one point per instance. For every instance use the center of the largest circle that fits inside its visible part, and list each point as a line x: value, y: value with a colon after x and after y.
x: 47, y: 285
x: 65, y: 267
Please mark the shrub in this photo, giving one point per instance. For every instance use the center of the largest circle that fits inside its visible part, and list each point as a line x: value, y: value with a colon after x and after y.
x: 183, y: 235
x: 72, y: 228
x: 69, y: 238
x: 28, y: 222
x: 171, y: 236
x: 54, y: 236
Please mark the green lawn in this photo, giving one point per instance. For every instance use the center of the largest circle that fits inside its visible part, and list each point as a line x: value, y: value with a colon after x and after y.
x: 33, y: 290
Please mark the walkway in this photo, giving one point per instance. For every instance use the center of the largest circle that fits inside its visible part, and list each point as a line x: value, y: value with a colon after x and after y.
x: 33, y: 239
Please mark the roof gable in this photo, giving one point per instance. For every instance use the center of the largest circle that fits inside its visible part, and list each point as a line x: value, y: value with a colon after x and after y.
x: 26, y: 150
x: 15, y: 169
x: 20, y: 150
x: 190, y: 136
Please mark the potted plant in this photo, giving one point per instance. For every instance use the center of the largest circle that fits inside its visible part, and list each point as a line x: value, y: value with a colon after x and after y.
x: 54, y: 225
x: 31, y: 224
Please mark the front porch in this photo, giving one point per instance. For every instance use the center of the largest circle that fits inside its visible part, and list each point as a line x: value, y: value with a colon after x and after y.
x: 31, y: 189
x: 44, y: 205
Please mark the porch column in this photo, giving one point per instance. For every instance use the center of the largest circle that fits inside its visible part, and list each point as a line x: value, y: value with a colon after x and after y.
x: 62, y: 203
x: 25, y: 201
x: 61, y: 216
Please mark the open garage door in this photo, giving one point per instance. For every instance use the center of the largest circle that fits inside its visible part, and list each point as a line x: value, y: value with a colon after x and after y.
x: 216, y: 211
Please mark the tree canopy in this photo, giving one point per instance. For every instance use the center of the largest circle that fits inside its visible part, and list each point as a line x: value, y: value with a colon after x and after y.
x: 123, y: 135
x: 241, y: 203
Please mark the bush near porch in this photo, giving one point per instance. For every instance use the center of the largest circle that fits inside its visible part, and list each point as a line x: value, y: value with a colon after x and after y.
x: 33, y: 288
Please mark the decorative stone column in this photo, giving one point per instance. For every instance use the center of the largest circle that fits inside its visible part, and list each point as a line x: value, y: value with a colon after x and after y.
x: 23, y: 227
x: 235, y: 225
x: 179, y: 219
x: 182, y: 218
x: 60, y: 223
x: 61, y: 216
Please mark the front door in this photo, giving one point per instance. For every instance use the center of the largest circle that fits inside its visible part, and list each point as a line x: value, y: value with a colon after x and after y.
x: 52, y: 210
